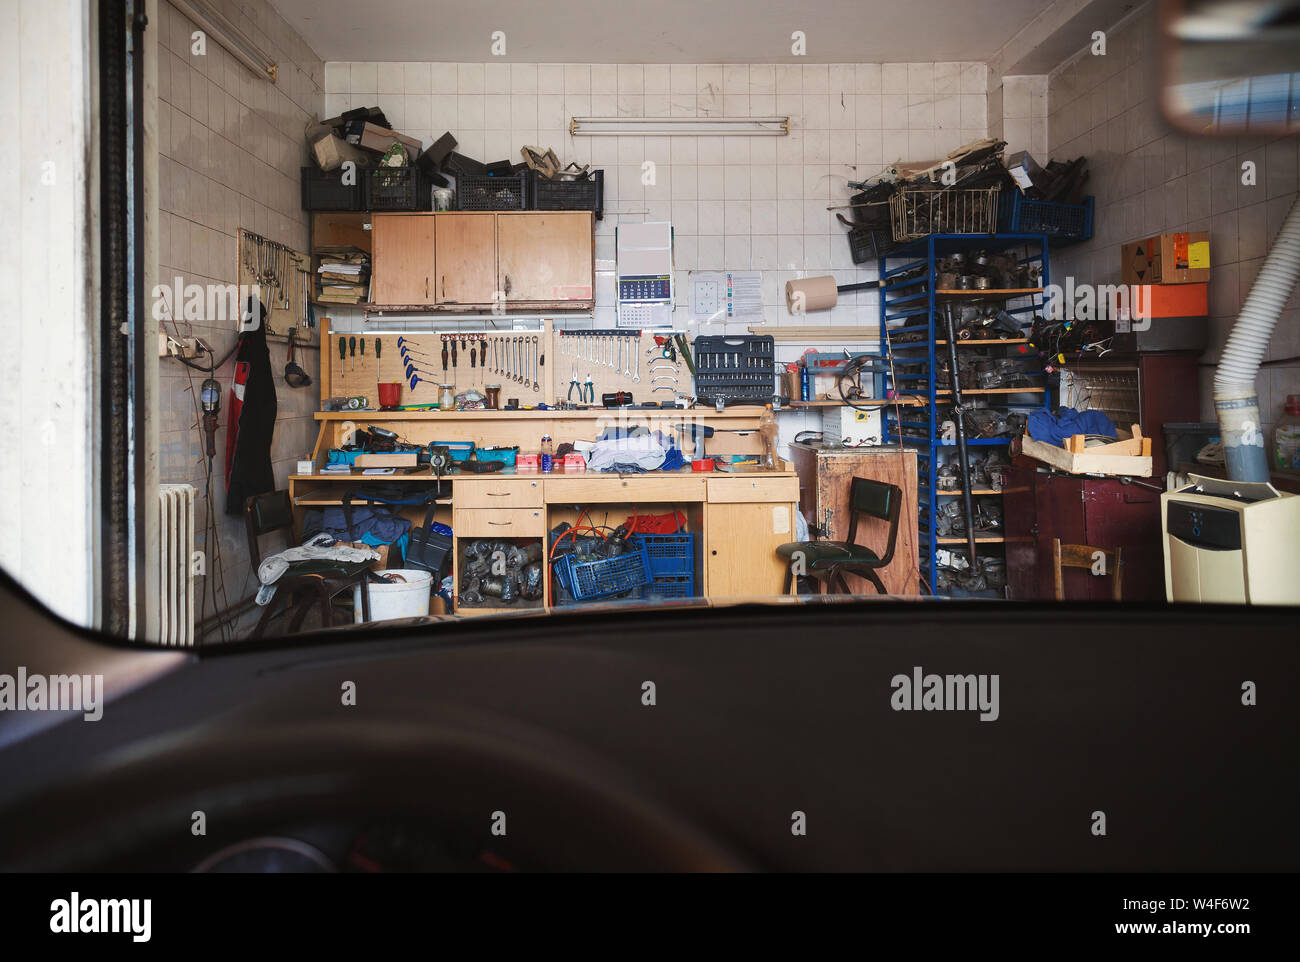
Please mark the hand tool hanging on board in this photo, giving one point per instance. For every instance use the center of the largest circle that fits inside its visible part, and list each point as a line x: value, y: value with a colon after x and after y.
x: 453, y: 358
x: 343, y: 353
x: 404, y: 345
x: 482, y: 351
x: 352, y: 351
x: 294, y: 376
x: 444, y: 356
x: 363, y: 354
x: 536, y: 364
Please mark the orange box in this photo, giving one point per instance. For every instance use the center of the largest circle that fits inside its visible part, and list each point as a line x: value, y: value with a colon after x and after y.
x: 1180, y: 258
x: 1170, y: 300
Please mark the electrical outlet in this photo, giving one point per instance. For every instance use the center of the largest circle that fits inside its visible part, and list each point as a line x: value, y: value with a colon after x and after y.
x: 186, y: 347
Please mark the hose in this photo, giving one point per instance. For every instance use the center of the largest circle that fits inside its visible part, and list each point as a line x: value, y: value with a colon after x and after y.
x: 1236, y: 402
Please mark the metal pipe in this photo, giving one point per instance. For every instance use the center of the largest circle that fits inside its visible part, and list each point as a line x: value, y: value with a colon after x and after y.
x: 957, y: 409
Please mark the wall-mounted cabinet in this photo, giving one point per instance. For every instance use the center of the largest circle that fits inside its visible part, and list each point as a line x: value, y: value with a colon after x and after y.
x: 459, y: 261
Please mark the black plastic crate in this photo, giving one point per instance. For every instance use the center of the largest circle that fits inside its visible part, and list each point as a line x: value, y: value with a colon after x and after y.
x: 397, y: 188
x: 736, y: 369
x: 325, y: 190
x: 479, y: 192
x: 586, y: 194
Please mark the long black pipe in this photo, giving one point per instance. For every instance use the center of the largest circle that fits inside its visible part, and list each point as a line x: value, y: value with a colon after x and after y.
x: 960, y: 416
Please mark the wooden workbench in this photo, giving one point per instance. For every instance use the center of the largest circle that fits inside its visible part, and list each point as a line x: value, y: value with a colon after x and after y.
x: 739, y: 518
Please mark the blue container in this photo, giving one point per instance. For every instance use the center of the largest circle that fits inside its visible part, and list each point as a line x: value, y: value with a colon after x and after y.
x: 669, y: 586
x: 1060, y: 222
x: 588, y: 580
x: 460, y: 450
x: 499, y: 454
x: 670, y: 554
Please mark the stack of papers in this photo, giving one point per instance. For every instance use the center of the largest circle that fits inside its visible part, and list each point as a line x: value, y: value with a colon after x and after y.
x: 343, y: 276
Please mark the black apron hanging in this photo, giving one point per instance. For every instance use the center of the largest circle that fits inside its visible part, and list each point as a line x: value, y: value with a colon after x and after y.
x: 252, y: 419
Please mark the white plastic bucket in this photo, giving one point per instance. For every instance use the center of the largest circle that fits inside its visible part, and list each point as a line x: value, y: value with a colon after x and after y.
x: 408, y: 598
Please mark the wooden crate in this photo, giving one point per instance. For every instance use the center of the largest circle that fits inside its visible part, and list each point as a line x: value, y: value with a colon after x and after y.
x: 1130, y: 456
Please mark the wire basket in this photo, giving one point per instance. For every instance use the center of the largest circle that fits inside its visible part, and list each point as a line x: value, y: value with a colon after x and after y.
x: 603, y: 578
x: 921, y: 212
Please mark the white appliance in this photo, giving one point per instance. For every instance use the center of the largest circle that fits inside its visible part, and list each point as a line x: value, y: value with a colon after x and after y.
x: 645, y: 282
x: 850, y: 427
x: 1232, y: 542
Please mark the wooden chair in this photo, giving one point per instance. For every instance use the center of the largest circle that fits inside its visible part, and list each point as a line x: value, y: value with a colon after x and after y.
x: 829, y: 561
x: 320, y: 581
x: 1085, y: 556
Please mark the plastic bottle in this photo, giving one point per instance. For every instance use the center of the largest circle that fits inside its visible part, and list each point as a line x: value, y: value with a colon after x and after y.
x: 547, y: 452
x: 1286, y: 437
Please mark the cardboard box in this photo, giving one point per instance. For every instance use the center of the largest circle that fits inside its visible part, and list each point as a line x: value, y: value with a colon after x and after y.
x: 1182, y: 258
x: 379, y: 139
x: 382, y: 549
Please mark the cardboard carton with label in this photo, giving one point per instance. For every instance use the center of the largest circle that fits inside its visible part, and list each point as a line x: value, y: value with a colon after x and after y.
x: 1178, y: 258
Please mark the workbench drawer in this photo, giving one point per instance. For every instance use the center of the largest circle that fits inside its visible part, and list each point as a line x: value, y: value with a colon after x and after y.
x: 497, y: 493
x: 615, y: 490
x: 499, y: 522
x: 747, y: 490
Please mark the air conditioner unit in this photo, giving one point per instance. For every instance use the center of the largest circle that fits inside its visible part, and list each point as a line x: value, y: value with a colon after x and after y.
x: 1232, y: 542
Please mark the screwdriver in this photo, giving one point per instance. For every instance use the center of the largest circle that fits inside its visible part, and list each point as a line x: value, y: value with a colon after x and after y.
x: 453, y: 354
x: 363, y: 354
x: 482, y: 351
x: 444, y: 355
x: 473, y: 350
x: 352, y: 349
x: 343, y: 353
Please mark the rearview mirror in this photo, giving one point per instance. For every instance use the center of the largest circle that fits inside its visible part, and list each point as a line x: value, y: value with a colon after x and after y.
x: 1231, y: 67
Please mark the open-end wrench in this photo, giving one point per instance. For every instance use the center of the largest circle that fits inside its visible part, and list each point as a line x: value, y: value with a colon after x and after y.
x: 536, y: 386
x: 627, y: 360
x: 636, y: 374
x: 519, y: 361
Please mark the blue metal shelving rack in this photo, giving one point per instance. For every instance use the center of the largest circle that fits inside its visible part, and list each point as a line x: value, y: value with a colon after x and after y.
x: 912, y: 304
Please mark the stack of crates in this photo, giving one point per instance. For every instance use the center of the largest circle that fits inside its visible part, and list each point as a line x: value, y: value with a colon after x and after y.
x: 672, y: 565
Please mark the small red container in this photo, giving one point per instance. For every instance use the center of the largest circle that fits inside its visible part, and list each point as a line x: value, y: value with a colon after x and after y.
x: 390, y: 395
x: 705, y: 465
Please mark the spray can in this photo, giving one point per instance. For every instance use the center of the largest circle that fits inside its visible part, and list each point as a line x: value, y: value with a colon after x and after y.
x: 805, y: 383
x: 547, y: 453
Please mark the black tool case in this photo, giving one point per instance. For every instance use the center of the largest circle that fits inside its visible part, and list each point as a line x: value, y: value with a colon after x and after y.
x: 736, y: 369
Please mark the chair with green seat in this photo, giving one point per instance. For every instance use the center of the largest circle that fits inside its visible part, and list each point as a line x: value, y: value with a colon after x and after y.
x: 306, y: 584
x: 830, y: 561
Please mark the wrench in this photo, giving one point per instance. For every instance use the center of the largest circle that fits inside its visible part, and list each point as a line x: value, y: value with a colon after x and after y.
x: 536, y: 386
x: 636, y: 376
x: 627, y: 358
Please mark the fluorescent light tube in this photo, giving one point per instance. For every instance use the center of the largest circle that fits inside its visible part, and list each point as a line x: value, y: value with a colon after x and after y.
x: 229, y: 36
x: 670, y: 126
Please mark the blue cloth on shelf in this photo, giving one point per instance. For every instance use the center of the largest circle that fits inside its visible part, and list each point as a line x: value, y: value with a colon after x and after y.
x: 1055, y: 428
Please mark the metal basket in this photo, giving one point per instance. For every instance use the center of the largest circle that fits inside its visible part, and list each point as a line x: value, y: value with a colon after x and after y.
x: 919, y: 213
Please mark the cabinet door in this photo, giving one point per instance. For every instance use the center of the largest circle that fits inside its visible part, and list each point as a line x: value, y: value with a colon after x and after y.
x: 740, y: 551
x: 545, y: 256
x: 466, y: 258
x: 403, y: 260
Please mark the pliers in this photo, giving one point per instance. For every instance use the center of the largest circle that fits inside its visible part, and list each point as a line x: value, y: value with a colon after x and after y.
x: 586, y: 391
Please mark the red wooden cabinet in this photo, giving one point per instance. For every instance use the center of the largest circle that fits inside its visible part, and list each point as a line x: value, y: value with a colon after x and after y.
x: 1102, y: 512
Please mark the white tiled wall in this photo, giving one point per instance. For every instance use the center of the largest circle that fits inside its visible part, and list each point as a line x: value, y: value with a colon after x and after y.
x: 1149, y: 178
x: 736, y: 203
x: 231, y: 145
x: 1024, y: 115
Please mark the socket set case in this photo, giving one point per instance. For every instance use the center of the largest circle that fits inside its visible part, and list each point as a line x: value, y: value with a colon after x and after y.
x: 735, y: 368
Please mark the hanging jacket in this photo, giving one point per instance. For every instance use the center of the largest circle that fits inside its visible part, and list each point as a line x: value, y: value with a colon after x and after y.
x: 252, y: 419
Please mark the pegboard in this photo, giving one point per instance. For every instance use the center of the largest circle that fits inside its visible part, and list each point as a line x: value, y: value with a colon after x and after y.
x: 605, y: 356
x: 283, y: 278
x: 415, y: 361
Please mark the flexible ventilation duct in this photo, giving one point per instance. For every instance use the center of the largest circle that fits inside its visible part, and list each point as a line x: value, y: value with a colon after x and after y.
x: 1235, y: 400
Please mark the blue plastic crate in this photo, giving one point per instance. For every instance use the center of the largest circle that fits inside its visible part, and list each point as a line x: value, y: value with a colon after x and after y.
x: 605, y: 578
x: 670, y: 554
x: 1066, y: 222
x: 669, y: 586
